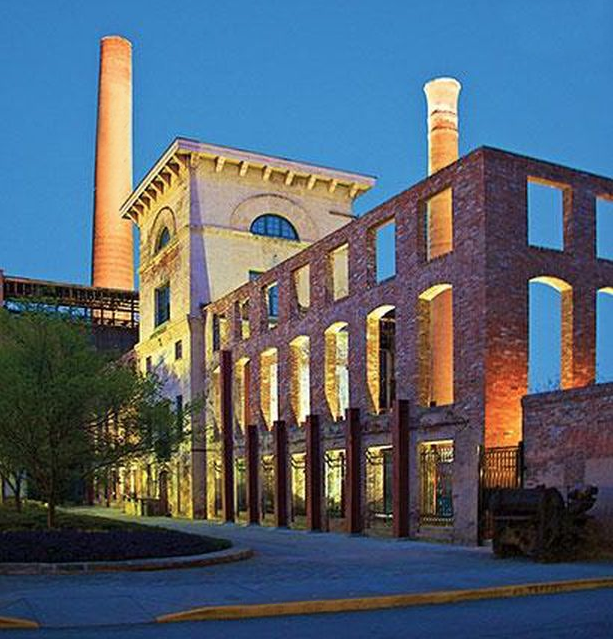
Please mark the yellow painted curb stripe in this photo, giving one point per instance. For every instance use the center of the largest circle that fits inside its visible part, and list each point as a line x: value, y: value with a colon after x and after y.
x: 7, y: 623
x: 383, y: 601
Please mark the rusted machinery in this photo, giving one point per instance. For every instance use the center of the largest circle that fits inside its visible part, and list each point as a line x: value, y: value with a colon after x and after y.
x: 538, y: 523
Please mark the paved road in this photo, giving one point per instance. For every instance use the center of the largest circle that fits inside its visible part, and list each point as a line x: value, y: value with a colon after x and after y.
x: 288, y: 565
x: 587, y: 615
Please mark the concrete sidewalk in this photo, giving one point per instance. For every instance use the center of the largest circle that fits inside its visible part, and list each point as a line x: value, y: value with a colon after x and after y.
x: 288, y: 566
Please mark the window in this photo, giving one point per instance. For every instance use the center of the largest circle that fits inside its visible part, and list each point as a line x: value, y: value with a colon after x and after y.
x: 163, y: 239
x: 243, y: 318
x: 274, y: 226
x: 604, y: 228
x: 435, y: 321
x: 269, y: 386
x: 339, y: 267
x: 439, y: 224
x: 300, y: 390
x: 336, y: 366
x: 302, y: 288
x: 272, y: 304
x: 550, y: 334
x: 162, y: 304
x: 436, y: 479
x: 253, y: 275
x: 385, y: 251
x: 148, y: 365
x: 179, y: 350
x: 179, y: 412
x: 216, y: 332
x: 604, y: 335
x: 545, y: 215
x: 380, y: 358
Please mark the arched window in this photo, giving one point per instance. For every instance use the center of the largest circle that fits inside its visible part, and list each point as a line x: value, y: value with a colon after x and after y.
x: 163, y: 239
x: 274, y: 226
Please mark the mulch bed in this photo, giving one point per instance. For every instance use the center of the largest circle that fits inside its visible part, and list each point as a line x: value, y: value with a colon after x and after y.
x: 65, y: 545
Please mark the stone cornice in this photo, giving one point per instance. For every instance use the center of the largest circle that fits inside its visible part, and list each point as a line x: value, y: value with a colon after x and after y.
x: 178, y: 156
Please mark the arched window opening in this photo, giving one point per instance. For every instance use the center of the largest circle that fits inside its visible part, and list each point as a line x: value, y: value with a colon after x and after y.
x: 274, y: 226
x: 550, y: 334
x: 269, y: 386
x: 381, y: 358
x: 435, y: 311
x: 163, y: 239
x: 241, y: 397
x: 604, y: 335
x: 336, y: 364
x: 300, y: 391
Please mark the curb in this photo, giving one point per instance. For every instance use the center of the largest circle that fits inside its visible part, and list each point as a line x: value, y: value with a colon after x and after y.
x: 381, y: 602
x: 11, y: 623
x: 132, y: 565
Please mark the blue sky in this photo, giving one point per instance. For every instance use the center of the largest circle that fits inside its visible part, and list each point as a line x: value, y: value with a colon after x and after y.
x: 336, y: 83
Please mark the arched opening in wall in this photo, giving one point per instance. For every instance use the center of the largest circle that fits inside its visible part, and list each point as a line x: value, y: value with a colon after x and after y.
x: 300, y: 391
x: 604, y: 335
x: 241, y: 393
x: 269, y: 386
x: 381, y: 358
x: 336, y: 364
x: 550, y: 334
x: 435, y: 313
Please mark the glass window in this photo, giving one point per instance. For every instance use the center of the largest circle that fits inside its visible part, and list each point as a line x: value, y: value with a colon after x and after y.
x: 163, y: 239
x: 162, y: 304
x: 274, y: 226
x: 179, y: 350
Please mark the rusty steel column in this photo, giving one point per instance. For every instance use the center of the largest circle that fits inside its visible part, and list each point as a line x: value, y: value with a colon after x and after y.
x: 281, y: 486
x: 112, y: 259
x: 353, y: 474
x: 253, y: 464
x: 227, y: 435
x: 400, y: 468
x: 313, y: 473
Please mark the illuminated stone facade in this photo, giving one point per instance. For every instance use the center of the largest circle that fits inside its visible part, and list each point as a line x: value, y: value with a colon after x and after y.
x: 194, y: 211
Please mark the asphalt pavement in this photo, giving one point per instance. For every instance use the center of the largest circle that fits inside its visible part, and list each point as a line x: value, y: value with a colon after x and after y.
x: 287, y: 566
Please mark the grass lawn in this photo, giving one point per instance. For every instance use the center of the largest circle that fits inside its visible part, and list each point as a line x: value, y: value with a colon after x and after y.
x: 24, y: 537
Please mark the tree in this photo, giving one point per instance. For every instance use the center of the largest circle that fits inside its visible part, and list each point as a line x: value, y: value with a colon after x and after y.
x: 67, y: 410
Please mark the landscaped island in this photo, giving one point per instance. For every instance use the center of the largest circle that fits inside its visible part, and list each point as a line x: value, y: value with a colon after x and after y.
x: 24, y: 537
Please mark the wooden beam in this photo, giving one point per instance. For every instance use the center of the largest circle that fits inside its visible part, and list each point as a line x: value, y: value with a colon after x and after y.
x: 311, y: 182
x: 267, y: 173
x: 354, y: 190
x: 219, y: 163
x: 244, y: 168
x: 333, y: 185
x: 289, y: 178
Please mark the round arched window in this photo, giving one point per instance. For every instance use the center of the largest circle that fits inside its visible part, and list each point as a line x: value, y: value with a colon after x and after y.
x: 163, y: 239
x: 274, y: 226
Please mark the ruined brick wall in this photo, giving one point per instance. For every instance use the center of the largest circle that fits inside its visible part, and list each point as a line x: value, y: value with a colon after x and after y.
x: 488, y: 270
x: 511, y: 263
x: 463, y: 269
x: 568, y: 439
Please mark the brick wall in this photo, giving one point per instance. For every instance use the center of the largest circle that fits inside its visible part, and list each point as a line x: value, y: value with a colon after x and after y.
x: 568, y: 439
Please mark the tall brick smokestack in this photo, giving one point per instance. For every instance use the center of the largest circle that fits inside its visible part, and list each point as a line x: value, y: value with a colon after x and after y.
x: 442, y: 96
x: 112, y: 261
